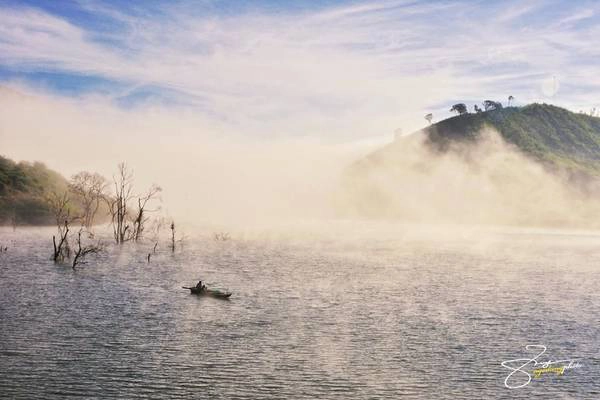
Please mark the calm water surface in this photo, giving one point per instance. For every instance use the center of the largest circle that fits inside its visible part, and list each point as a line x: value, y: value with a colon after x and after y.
x: 384, y: 315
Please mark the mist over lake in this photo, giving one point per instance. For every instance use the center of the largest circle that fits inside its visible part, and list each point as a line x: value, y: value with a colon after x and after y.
x: 412, y: 312
x: 313, y: 200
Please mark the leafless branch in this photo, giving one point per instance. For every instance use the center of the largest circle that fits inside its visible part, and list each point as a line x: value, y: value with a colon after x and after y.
x: 83, y: 250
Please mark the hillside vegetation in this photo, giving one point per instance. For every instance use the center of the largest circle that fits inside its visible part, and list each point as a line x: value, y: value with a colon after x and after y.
x: 547, y: 133
x: 23, y: 189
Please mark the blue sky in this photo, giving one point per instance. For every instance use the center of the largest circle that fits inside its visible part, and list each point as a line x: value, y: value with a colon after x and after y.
x: 334, y: 68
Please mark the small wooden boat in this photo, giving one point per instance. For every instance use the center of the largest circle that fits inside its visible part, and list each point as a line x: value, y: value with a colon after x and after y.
x: 208, y: 292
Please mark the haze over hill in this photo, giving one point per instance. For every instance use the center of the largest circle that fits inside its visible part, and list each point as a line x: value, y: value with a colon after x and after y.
x: 499, y: 166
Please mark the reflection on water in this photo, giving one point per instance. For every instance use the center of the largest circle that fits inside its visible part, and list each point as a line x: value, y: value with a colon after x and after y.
x: 391, y: 317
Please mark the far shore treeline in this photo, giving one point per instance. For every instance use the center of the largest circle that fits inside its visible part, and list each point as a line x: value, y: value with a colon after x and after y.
x: 24, y: 191
x: 32, y: 194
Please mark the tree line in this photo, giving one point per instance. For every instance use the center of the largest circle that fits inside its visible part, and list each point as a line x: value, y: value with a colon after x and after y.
x: 461, y: 108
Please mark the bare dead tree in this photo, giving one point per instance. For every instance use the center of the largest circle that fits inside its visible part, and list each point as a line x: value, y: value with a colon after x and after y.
x: 153, y: 251
x: 61, y: 250
x: 90, y: 191
x: 60, y: 206
x: 118, y: 203
x: 141, y: 215
x: 173, y: 236
x: 128, y: 225
x: 83, y: 250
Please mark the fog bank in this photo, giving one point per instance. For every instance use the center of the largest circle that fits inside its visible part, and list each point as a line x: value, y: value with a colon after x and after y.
x: 211, y: 172
x: 490, y: 182
x: 217, y: 175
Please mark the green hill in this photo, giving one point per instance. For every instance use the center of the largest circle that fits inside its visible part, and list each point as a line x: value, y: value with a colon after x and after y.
x: 23, y: 189
x: 550, y: 134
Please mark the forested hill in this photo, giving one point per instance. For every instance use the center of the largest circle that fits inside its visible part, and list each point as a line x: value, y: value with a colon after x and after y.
x: 548, y: 133
x: 23, y: 189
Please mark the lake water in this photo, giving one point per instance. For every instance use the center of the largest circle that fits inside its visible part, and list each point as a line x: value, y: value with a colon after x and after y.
x: 359, y: 312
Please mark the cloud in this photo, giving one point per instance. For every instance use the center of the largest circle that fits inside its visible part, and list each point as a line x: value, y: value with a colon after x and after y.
x: 339, y: 73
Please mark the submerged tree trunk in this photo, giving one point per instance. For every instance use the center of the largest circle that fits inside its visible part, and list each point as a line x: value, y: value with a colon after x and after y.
x: 173, y: 236
x: 61, y: 250
x: 61, y: 208
x: 141, y: 218
x: 117, y: 205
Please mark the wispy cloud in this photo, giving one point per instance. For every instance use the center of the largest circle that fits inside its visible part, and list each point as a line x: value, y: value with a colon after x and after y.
x: 347, y: 71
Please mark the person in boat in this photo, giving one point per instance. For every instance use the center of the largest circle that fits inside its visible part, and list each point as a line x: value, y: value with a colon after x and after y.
x: 200, y: 286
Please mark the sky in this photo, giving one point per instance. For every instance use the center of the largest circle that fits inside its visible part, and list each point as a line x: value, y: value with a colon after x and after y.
x: 341, y: 70
x: 132, y: 80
